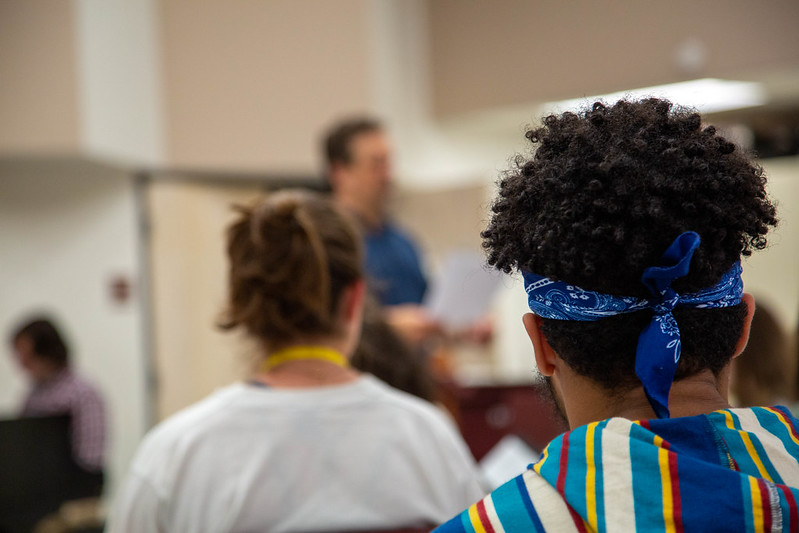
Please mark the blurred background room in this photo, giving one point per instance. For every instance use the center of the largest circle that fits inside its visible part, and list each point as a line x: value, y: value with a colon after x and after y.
x: 129, y: 127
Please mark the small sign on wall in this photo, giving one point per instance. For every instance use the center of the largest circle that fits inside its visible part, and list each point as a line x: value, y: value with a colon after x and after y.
x: 120, y: 289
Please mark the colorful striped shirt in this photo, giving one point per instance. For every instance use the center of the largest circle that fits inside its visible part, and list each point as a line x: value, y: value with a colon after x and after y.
x: 730, y: 470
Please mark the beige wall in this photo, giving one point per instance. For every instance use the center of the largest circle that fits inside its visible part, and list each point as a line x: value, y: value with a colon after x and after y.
x: 250, y: 84
x: 189, y: 276
x: 78, y: 78
x: 488, y: 54
x: 245, y: 85
x: 772, y: 274
x: 38, y: 80
x: 444, y: 220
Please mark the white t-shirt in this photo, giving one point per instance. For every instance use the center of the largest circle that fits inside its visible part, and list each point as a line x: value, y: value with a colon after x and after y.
x: 247, y: 458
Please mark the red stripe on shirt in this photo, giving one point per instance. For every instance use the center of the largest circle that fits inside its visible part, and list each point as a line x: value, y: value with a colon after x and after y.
x: 766, y: 502
x: 564, y: 460
x: 676, y: 502
x: 675, y: 491
x: 788, y: 420
x: 793, y: 524
x: 560, y: 485
x: 578, y: 521
x: 481, y: 512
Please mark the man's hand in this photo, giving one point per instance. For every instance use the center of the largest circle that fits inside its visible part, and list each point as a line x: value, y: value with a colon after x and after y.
x: 412, y: 322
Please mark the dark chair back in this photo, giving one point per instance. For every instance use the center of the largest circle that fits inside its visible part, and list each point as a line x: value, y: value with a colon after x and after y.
x: 38, y: 472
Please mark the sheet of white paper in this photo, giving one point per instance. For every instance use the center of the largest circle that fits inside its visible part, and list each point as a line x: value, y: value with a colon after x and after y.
x: 463, y: 291
x: 506, y: 460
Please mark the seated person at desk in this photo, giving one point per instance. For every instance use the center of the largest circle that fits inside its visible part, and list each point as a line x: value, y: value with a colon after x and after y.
x: 308, y: 443
x: 628, y: 225
x: 56, y: 389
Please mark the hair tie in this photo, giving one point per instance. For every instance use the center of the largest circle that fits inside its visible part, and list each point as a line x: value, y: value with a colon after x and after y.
x: 659, y: 345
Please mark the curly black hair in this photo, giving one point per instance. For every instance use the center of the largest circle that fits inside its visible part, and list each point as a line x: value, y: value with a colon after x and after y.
x: 605, y: 193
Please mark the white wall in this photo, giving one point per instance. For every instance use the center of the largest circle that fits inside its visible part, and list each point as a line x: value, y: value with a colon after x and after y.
x: 66, y: 229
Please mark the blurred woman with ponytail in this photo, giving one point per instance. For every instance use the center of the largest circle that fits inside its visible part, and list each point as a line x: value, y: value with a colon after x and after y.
x: 307, y: 443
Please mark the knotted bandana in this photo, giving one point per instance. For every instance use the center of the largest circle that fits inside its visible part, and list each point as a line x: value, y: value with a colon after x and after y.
x: 658, y: 350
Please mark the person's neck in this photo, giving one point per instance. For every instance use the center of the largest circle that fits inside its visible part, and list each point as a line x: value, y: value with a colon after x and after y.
x: 699, y: 394
x: 50, y: 374
x: 307, y: 372
x: 371, y: 216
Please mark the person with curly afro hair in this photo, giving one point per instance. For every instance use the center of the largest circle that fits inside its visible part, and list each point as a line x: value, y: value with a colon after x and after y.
x: 628, y: 223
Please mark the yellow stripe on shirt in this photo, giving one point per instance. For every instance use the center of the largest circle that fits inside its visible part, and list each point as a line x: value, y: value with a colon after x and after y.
x: 474, y: 517
x: 750, y: 448
x: 757, y: 506
x: 781, y: 418
x: 590, y: 478
x: 755, y: 457
x: 665, y: 482
x: 540, y: 463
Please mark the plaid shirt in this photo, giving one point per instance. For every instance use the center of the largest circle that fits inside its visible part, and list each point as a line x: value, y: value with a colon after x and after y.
x: 68, y: 394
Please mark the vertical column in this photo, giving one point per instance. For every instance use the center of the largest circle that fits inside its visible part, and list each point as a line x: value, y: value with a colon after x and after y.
x: 119, y: 75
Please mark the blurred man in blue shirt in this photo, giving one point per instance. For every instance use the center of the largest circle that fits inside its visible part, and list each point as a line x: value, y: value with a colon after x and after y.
x: 358, y: 159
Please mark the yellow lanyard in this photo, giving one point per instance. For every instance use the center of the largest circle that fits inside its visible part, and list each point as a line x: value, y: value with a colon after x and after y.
x: 300, y: 353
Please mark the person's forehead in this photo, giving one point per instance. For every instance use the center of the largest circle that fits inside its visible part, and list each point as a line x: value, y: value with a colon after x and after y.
x: 369, y: 144
x: 23, y: 342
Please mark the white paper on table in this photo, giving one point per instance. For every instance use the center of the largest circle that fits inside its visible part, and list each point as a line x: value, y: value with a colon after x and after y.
x: 463, y: 291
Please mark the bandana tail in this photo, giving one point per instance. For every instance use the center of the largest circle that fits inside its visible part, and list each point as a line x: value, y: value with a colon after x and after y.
x: 658, y: 349
x: 656, y: 368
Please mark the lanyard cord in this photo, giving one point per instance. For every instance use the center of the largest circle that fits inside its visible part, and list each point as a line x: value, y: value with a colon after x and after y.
x: 303, y: 353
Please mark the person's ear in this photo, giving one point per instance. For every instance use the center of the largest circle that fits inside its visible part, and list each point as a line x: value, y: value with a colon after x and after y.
x: 749, y: 300
x: 337, y: 172
x: 545, y: 356
x: 353, y: 299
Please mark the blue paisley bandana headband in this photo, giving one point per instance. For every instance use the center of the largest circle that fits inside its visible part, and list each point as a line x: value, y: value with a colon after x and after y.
x: 658, y: 350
